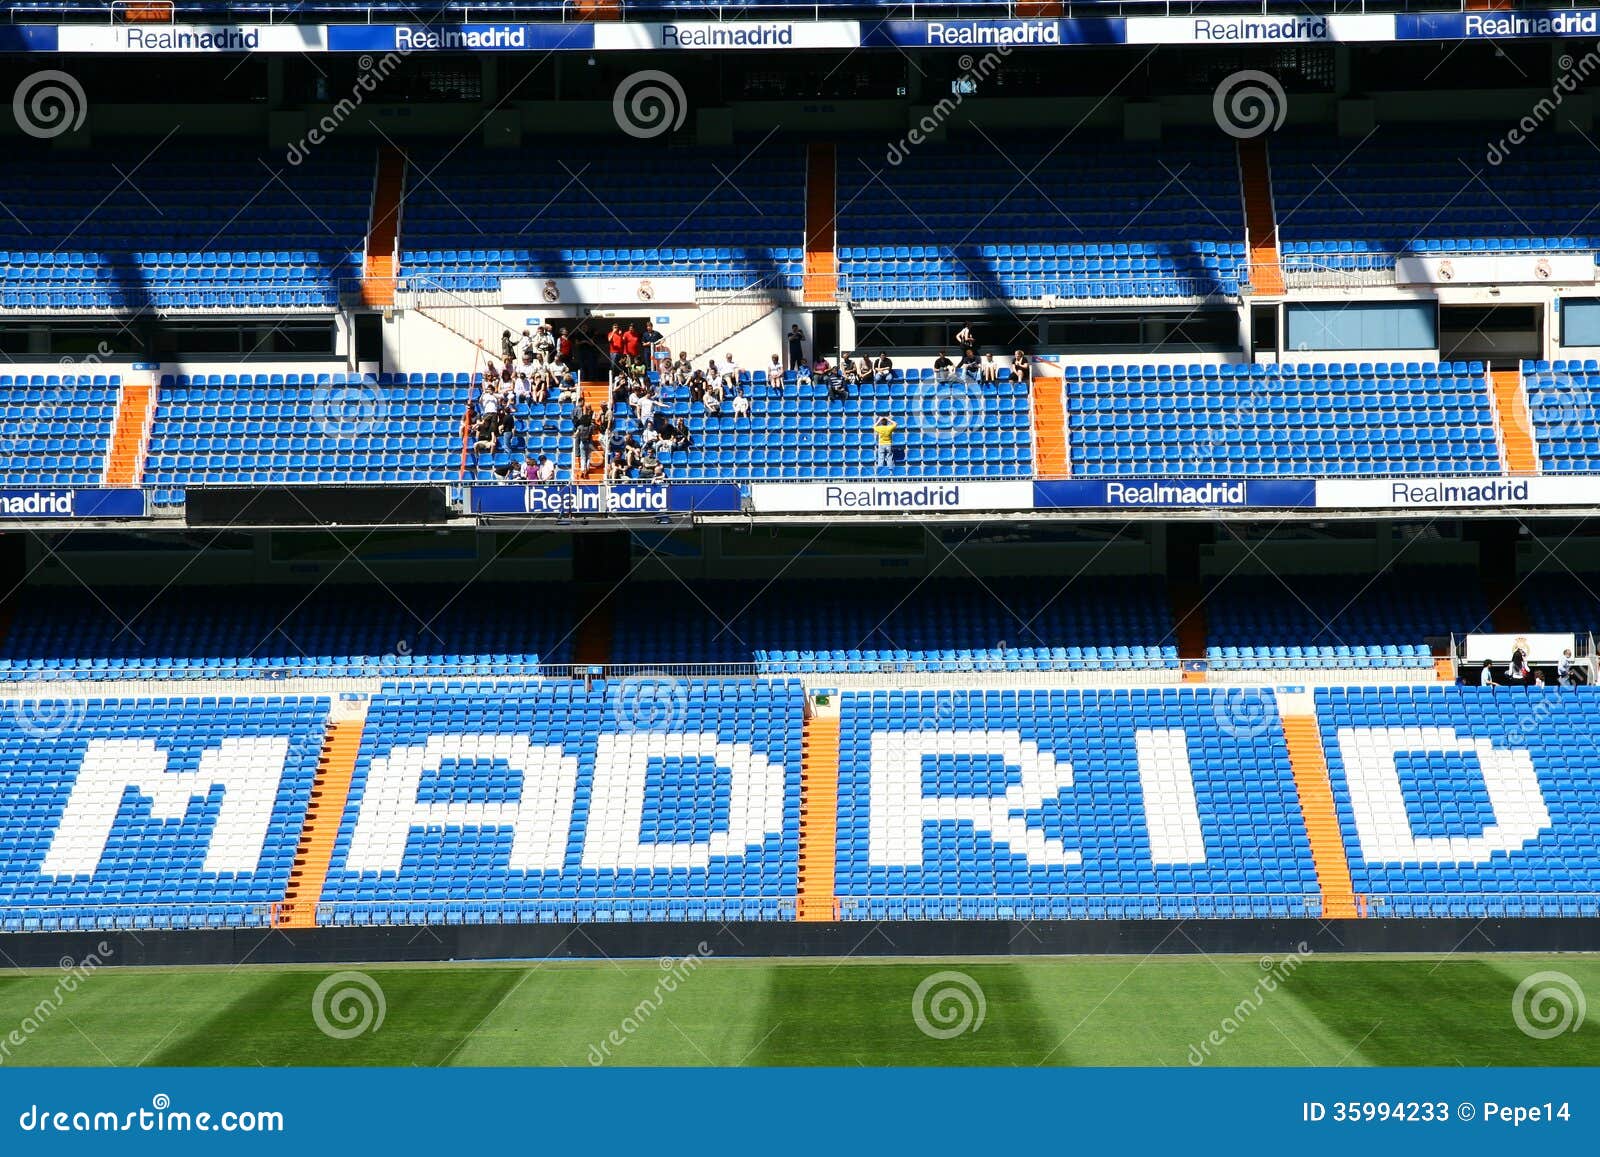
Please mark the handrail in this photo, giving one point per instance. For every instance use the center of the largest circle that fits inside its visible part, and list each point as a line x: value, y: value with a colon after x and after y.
x: 1060, y: 906
x: 17, y: 677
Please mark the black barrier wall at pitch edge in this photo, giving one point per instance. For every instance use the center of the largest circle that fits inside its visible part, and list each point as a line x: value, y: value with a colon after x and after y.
x: 333, y: 946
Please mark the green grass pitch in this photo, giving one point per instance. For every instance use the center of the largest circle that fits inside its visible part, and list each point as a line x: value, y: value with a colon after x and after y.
x: 1455, y: 1010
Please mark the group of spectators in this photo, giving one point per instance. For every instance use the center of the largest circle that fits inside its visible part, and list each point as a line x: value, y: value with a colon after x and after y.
x: 1520, y: 673
x: 633, y: 430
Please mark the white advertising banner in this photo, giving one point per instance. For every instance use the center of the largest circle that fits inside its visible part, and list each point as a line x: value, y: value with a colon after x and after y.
x: 1206, y: 29
x: 1498, y: 648
x: 699, y: 35
x: 867, y: 497
x: 1565, y: 268
x: 192, y: 38
x: 622, y: 292
x: 1457, y: 493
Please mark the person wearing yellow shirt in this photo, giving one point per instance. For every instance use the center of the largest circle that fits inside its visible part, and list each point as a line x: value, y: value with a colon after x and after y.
x: 883, y: 431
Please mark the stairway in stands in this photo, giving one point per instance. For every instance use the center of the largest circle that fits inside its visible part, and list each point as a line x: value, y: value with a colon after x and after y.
x: 1516, y: 425
x: 324, y: 814
x: 595, y: 395
x: 1260, y: 217
x: 130, y: 432
x: 1050, y: 457
x: 822, y: 259
x: 819, y: 815
x: 1310, y: 767
x: 383, y: 232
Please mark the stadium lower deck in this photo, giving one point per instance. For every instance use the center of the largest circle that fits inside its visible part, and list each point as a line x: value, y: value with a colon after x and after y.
x: 680, y: 799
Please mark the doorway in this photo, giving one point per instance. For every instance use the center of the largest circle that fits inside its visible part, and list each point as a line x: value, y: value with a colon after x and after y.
x: 590, y: 348
x: 1502, y: 336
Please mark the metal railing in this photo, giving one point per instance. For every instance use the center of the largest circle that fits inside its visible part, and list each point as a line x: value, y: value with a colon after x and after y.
x: 1055, y: 291
x: 1180, y: 906
x: 113, y: 917
x: 1372, y: 269
x: 370, y: 673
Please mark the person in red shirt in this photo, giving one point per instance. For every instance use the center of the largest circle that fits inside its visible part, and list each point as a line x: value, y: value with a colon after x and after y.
x: 630, y: 342
x: 614, y: 343
x: 564, y: 349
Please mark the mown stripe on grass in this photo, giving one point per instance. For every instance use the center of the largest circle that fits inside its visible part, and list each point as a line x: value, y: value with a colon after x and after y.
x: 672, y: 1012
x: 427, y: 1014
x: 871, y: 1014
x: 1452, y: 1012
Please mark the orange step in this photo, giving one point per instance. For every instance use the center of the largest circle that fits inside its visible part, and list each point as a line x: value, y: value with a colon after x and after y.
x: 329, y: 793
x: 1049, y: 427
x: 597, y: 396
x: 1516, y: 426
x: 822, y: 261
x: 1189, y: 627
x: 378, y: 274
x: 125, y: 458
x: 148, y: 12
x: 1321, y: 816
x: 819, y: 818
x: 597, y: 9
x: 1261, y: 225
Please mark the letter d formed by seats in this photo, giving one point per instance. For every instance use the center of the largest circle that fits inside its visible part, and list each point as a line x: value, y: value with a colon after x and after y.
x: 894, y: 156
x: 1494, y: 156
x: 295, y: 155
